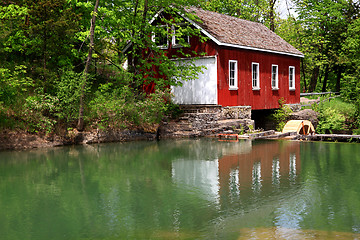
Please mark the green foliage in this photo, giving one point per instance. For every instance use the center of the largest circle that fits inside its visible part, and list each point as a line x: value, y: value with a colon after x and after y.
x: 38, y: 113
x: 262, y: 11
x: 173, y: 110
x: 356, y: 131
x: 351, y: 90
x: 117, y: 107
x: 37, y: 38
x: 319, y: 31
x: 148, y: 62
x: 249, y: 10
x: 68, y: 91
x: 351, y: 58
x: 110, y: 106
x: 281, y: 115
x: 52, y: 23
x: 336, y: 116
x: 13, y: 83
x: 12, y: 34
x: 330, y: 120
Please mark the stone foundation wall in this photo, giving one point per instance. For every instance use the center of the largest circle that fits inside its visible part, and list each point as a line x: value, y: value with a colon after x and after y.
x: 207, y: 120
x: 236, y: 112
x: 222, y: 113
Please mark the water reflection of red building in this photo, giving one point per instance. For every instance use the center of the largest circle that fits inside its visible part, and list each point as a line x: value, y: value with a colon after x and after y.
x: 266, y: 165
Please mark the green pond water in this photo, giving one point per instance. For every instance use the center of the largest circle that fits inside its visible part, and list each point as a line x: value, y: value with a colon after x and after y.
x: 182, y: 189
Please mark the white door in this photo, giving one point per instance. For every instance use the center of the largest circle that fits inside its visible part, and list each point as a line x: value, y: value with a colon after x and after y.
x: 202, y: 90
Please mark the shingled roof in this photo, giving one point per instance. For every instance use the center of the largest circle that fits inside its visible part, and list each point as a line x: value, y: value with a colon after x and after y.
x: 235, y: 32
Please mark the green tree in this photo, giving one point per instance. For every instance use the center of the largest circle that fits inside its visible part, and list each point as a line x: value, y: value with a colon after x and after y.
x: 263, y: 11
x: 351, y: 59
x: 250, y: 10
x: 323, y: 24
x: 32, y: 33
x: 80, y: 125
x: 149, y: 63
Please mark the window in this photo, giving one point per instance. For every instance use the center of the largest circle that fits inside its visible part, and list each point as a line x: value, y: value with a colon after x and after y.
x: 274, y: 77
x: 179, y: 37
x: 161, y: 37
x: 233, y: 75
x: 255, y: 76
x: 292, y: 78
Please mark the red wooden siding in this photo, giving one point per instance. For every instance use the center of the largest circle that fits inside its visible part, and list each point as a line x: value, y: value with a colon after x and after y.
x: 265, y: 98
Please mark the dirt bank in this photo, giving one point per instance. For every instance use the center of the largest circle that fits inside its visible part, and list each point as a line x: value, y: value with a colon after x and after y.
x: 18, y: 140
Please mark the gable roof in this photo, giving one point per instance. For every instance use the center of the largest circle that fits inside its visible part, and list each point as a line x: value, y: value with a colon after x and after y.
x: 230, y: 31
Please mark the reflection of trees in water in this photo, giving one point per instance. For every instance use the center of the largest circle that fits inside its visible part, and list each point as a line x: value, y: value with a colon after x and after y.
x: 128, y: 190
x: 324, y: 194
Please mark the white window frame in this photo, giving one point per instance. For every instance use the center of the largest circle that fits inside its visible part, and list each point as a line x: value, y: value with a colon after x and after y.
x: 153, y: 38
x: 173, y: 38
x: 275, y: 78
x: 291, y: 78
x: 235, y: 79
x: 255, y: 79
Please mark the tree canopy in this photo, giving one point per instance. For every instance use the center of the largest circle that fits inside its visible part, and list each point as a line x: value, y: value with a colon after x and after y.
x: 44, y: 45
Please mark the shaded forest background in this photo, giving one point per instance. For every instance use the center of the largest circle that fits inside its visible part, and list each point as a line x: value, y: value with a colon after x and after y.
x: 62, y: 60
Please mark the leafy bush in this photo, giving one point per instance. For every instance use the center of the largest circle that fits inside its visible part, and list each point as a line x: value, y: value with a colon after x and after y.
x: 109, y: 105
x: 68, y: 91
x: 38, y: 112
x: 117, y: 107
x: 330, y: 120
x: 335, y: 115
x: 281, y: 115
x: 13, y: 83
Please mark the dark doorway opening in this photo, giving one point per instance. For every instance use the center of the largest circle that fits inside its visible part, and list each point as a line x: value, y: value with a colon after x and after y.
x: 263, y: 119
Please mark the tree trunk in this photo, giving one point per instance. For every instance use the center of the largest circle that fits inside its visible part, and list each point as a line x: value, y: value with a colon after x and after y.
x: 314, y: 78
x: 338, y: 78
x: 272, y: 15
x: 325, y: 78
x: 80, y: 125
x: 45, y: 45
x: 303, y: 73
x: 137, y: 51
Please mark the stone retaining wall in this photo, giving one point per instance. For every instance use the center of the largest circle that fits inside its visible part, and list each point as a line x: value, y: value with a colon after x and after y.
x: 218, y: 112
x: 236, y: 112
x: 205, y: 120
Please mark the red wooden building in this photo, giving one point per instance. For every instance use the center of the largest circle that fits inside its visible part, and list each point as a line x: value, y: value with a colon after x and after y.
x: 246, y: 64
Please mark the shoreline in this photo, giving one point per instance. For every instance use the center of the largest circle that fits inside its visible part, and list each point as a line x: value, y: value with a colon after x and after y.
x: 18, y: 140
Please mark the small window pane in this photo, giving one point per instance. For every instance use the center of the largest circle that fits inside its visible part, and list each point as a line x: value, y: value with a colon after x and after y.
x: 233, y: 74
x: 292, y: 77
x: 274, y: 76
x: 255, y: 75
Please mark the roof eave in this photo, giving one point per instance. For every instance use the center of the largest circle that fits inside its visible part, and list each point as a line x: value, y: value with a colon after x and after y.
x: 260, y: 49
